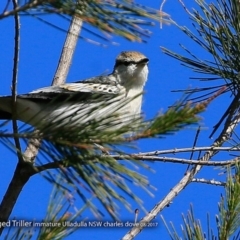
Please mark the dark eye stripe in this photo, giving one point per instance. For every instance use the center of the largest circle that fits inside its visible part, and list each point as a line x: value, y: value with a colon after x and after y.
x: 127, y: 63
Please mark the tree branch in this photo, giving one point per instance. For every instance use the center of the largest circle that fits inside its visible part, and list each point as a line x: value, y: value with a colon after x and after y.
x: 58, y: 164
x: 175, y: 160
x: 68, y: 51
x: 21, y: 176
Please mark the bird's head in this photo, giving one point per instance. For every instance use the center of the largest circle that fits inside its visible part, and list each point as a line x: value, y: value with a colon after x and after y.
x: 131, y: 68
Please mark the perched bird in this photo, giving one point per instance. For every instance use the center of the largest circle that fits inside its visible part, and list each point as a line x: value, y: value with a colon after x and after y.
x: 99, y: 97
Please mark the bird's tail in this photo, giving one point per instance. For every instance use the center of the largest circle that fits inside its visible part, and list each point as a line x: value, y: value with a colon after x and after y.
x: 5, y: 115
x: 5, y: 108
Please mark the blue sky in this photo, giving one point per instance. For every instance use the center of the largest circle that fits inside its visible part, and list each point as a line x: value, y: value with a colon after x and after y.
x: 40, y: 49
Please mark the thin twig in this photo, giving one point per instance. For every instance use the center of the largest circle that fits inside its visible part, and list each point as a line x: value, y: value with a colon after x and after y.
x: 14, y: 81
x: 185, y: 8
x: 194, y: 144
x: 176, y: 160
x: 6, y: 7
x: 57, y: 164
x: 211, y: 182
x: 160, y: 9
x: 195, y: 141
x: 196, y: 149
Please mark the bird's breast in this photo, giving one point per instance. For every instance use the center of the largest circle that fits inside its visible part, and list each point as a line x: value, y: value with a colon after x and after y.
x: 134, y: 102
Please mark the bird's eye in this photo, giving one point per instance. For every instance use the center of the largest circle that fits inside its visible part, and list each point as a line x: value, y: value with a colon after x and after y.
x: 126, y: 63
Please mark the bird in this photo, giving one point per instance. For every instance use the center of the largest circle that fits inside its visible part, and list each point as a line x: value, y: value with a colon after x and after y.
x: 72, y: 104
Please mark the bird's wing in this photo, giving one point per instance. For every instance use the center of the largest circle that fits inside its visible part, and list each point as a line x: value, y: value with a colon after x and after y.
x: 82, y: 90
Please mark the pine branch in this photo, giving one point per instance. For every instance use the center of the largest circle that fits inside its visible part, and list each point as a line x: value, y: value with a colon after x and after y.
x: 217, y: 32
x: 227, y: 220
x: 191, y: 228
x: 124, y: 18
